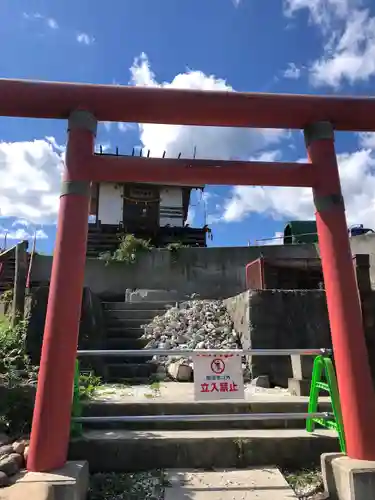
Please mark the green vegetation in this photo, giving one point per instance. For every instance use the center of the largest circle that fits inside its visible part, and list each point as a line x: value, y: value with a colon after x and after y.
x: 128, y: 250
x: 17, y: 377
x: 88, y: 383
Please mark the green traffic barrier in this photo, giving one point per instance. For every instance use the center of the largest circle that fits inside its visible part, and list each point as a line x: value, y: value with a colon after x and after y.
x: 324, y: 379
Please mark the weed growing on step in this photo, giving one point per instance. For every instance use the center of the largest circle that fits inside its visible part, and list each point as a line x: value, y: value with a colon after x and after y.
x: 306, y: 483
x: 155, y: 390
x: 127, y: 486
x: 88, y: 384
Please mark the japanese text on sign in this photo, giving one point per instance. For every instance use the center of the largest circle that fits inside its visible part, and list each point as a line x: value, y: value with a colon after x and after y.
x: 218, y: 377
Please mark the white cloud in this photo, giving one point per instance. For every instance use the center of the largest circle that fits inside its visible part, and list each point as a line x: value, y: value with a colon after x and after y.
x: 353, y: 56
x: 124, y: 127
x: 321, y: 12
x: 52, y: 23
x: 367, y: 139
x: 21, y: 222
x: 357, y: 171
x: 206, y: 142
x: 31, y: 177
x: 22, y: 234
x: 191, y: 216
x: 49, y: 21
x: 349, y: 34
x: 276, y: 239
x: 85, y: 39
x: 292, y: 72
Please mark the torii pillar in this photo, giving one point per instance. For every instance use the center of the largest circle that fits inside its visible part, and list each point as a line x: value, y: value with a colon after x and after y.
x: 48, y: 448
x: 343, y: 301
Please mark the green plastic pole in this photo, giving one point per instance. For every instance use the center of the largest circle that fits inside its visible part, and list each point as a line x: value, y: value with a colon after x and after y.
x: 76, y: 428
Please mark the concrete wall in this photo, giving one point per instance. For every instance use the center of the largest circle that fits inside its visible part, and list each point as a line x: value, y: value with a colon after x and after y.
x: 365, y: 244
x: 280, y: 319
x: 295, y: 319
x: 211, y: 272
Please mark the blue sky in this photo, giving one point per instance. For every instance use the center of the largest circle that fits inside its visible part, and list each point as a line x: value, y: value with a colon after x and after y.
x: 294, y: 46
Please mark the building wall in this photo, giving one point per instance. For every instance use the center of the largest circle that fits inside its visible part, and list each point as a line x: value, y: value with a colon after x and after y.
x: 171, y: 211
x: 111, y: 203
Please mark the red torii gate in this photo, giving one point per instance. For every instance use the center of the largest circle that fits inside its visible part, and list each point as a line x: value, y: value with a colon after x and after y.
x: 83, y: 105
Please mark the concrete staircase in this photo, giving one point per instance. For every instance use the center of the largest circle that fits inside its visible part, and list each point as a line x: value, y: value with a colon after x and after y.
x: 200, y: 445
x: 124, y: 322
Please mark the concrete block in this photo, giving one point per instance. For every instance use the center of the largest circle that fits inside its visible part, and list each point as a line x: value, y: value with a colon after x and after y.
x: 71, y: 482
x: 299, y: 387
x: 180, y: 371
x: 348, y: 479
x: 248, y: 484
x: 28, y: 491
x: 301, y: 366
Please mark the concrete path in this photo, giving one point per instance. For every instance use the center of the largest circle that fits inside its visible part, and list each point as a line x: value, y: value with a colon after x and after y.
x: 184, y: 392
x: 245, y: 484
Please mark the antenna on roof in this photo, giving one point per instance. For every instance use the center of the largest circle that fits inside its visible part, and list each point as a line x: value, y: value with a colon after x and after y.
x: 140, y: 152
x: 164, y: 154
x: 195, y: 152
x: 148, y: 154
x: 116, y: 150
x: 179, y: 155
x: 101, y: 149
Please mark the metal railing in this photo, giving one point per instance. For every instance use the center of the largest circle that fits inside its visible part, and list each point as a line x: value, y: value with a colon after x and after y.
x: 222, y: 417
x: 186, y: 353
x: 78, y: 419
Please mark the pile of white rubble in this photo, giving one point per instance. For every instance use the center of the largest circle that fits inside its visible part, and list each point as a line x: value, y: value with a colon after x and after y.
x: 196, y: 324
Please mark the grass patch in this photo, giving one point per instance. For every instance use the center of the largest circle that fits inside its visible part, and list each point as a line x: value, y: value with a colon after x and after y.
x: 127, y: 486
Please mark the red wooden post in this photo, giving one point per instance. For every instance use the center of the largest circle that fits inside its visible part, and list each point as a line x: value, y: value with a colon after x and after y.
x: 51, y: 420
x: 353, y: 370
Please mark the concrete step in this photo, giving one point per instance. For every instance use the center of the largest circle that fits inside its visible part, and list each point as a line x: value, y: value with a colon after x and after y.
x: 118, y: 451
x: 125, y: 323
x: 139, y: 306
x: 117, y: 371
x: 125, y: 343
x: 246, y: 484
x: 144, y: 315
x: 119, y: 331
x: 152, y: 406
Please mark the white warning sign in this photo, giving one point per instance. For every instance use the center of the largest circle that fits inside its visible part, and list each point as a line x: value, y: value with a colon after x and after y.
x: 218, y: 377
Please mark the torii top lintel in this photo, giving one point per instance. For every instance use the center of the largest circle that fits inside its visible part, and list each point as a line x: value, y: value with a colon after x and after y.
x: 35, y: 99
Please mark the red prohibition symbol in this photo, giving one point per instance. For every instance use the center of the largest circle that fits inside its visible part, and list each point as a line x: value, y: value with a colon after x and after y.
x: 218, y: 366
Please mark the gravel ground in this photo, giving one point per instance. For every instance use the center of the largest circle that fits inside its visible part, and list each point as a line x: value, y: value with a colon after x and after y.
x: 127, y: 486
x: 307, y: 483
